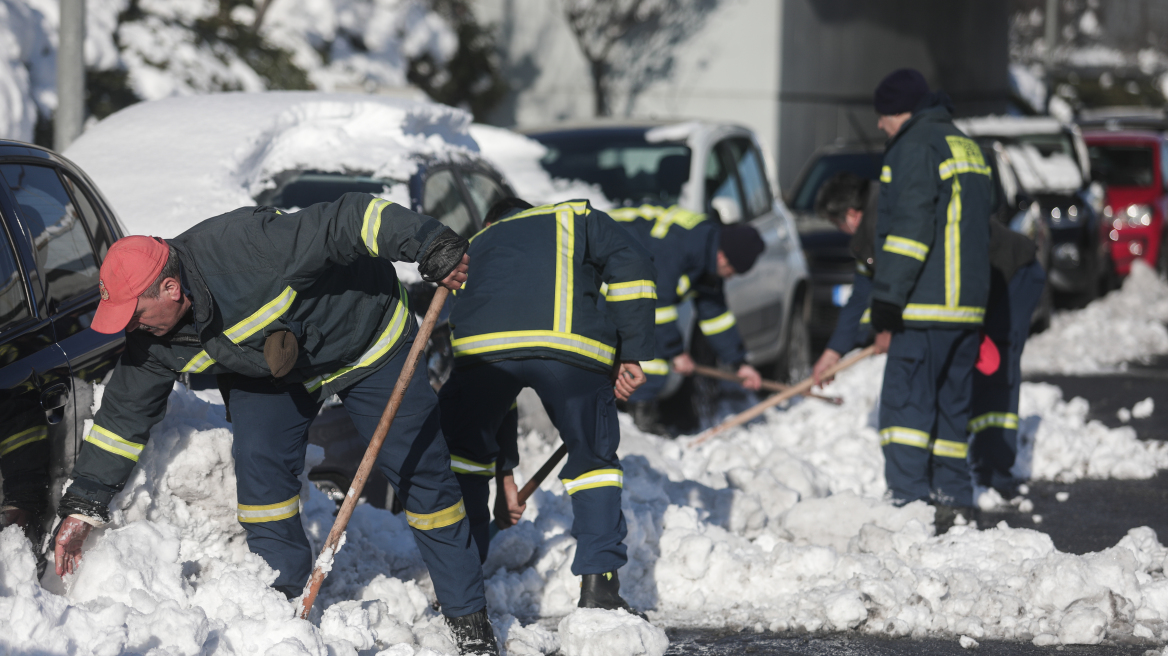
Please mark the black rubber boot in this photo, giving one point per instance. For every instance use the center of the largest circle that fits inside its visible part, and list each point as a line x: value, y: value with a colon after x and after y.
x: 473, y: 634
x: 947, y: 517
x: 603, y: 591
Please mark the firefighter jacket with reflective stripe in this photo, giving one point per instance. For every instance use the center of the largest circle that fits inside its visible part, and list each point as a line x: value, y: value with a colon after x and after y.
x: 325, y: 274
x: 534, y: 285
x: 932, y: 229
x: 685, y: 251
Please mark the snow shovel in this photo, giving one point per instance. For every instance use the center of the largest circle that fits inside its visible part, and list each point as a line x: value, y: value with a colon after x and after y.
x: 332, y: 545
x: 711, y: 372
x: 529, y: 487
x: 807, y: 384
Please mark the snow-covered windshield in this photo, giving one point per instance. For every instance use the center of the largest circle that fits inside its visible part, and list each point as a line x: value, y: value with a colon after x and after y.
x: 1122, y: 166
x: 627, y: 168
x: 304, y: 188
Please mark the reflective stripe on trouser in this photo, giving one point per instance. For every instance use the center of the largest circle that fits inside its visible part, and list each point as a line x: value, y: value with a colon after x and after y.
x: 24, y: 457
x: 927, y: 384
x: 271, y: 429
x: 475, y: 403
x: 994, y: 423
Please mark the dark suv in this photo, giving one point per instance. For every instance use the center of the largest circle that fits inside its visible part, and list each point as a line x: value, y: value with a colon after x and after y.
x: 56, y: 229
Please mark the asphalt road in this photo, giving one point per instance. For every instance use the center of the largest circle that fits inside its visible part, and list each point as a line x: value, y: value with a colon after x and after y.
x: 1095, y: 516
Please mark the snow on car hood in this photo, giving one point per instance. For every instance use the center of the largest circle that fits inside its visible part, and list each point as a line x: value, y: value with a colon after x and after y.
x: 517, y: 158
x: 781, y: 525
x: 168, y: 164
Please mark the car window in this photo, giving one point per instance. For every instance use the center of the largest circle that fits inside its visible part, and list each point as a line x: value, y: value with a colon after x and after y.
x: 102, y: 239
x: 443, y: 201
x: 1122, y: 166
x: 14, y: 306
x: 484, y: 192
x: 63, y: 251
x: 751, y: 173
x: 1164, y: 163
x: 299, y: 189
x: 722, y: 189
x: 865, y: 165
x: 628, y: 169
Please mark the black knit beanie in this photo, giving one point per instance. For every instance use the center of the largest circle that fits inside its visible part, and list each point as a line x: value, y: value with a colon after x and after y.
x: 901, y: 91
x: 741, y: 244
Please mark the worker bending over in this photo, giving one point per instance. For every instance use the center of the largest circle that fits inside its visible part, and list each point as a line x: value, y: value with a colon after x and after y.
x: 528, y: 317
x: 693, y: 256
x: 287, y: 309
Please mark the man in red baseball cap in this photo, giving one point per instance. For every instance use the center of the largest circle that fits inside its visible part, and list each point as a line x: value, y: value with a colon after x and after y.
x: 287, y: 310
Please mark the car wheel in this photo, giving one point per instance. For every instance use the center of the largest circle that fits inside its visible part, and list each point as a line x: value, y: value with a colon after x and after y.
x: 795, y: 364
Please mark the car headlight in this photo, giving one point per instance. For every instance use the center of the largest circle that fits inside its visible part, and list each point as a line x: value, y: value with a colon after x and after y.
x: 1066, y: 216
x: 1133, y: 216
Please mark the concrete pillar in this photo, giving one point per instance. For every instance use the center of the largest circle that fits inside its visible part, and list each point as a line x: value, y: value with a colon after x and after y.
x: 70, y: 114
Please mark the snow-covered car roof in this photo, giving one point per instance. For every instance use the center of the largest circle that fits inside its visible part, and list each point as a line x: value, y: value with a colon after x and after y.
x: 1008, y: 126
x: 168, y: 164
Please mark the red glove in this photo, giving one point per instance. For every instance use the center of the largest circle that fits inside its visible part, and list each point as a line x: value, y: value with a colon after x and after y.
x: 988, y: 358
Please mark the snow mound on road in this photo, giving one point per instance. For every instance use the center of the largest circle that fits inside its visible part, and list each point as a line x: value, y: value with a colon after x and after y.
x: 1126, y: 325
x: 595, y: 632
x: 780, y: 525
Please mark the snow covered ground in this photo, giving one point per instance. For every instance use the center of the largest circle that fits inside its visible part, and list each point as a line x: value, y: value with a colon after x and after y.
x: 779, y: 526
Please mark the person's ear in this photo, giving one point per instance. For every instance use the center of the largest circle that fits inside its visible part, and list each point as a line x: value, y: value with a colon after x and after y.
x: 173, y: 289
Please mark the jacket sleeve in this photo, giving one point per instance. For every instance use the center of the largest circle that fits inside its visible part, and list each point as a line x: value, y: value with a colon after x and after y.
x: 134, y: 400
x: 627, y: 268
x: 849, y: 331
x: 321, y: 236
x: 905, y: 231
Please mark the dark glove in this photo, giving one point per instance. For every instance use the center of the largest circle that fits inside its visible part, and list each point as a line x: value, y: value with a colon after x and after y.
x: 444, y: 255
x: 886, y: 316
x: 72, y: 504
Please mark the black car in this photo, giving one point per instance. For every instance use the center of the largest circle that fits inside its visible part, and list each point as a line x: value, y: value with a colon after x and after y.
x: 56, y: 229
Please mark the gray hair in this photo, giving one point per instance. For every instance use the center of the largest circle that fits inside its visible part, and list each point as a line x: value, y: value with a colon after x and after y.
x: 169, y: 270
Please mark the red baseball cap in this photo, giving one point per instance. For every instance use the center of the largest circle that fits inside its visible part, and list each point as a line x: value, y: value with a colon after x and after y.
x: 130, y: 266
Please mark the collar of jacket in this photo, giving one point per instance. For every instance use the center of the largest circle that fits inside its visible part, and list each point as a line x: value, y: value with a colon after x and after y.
x: 931, y: 114
x: 202, y: 304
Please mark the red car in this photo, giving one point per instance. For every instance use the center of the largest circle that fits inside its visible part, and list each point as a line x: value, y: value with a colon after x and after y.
x: 1134, y: 167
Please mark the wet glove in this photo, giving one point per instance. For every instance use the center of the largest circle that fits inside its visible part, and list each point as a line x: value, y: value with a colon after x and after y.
x: 886, y: 317
x: 73, y: 504
x: 443, y: 256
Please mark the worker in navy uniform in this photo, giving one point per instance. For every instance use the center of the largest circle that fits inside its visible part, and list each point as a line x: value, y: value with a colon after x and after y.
x: 529, y: 317
x: 693, y: 256
x: 288, y: 310
x: 929, y: 294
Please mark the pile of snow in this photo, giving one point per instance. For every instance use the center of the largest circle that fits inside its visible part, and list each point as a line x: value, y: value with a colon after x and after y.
x: 162, y: 181
x: 1126, y: 325
x: 778, y: 526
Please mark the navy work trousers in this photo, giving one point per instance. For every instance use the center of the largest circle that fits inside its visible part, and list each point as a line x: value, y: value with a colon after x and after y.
x: 994, y: 423
x: 924, y: 411
x: 476, y: 401
x: 271, y: 436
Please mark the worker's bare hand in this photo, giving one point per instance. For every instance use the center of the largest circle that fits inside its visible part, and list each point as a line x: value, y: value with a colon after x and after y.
x: 508, y: 510
x: 628, y: 378
x: 70, y: 539
x: 825, y: 362
x: 683, y: 364
x: 751, y: 379
x: 457, y: 277
x: 882, y: 341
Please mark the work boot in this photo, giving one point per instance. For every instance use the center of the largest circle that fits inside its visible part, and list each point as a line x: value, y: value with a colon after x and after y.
x: 603, y: 591
x: 647, y: 417
x: 473, y: 634
x: 947, y: 517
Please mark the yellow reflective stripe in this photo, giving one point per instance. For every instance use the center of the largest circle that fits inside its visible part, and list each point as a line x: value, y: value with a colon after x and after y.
x: 565, y: 268
x: 371, y: 225
x: 665, y: 314
x: 683, y: 284
x: 967, y: 158
x: 23, y: 438
x: 950, y: 168
x: 451, y: 515
x: 953, y: 247
x: 595, y: 478
x: 886, y: 174
x: 950, y: 449
x: 389, y: 337
x: 867, y: 316
x: 675, y: 216
x: 580, y: 207
x: 262, y: 317
x: 718, y: 324
x: 515, y: 404
x: 467, y: 466
x: 603, y: 288
x: 629, y: 291
x: 519, y: 339
x: 108, y: 441
x: 992, y: 420
x: 908, y: 247
x: 905, y: 436
x: 269, y: 513
x: 959, y: 314
x: 198, y: 364
x: 656, y: 367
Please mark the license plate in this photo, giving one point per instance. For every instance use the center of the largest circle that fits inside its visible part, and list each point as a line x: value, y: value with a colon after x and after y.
x: 840, y: 295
